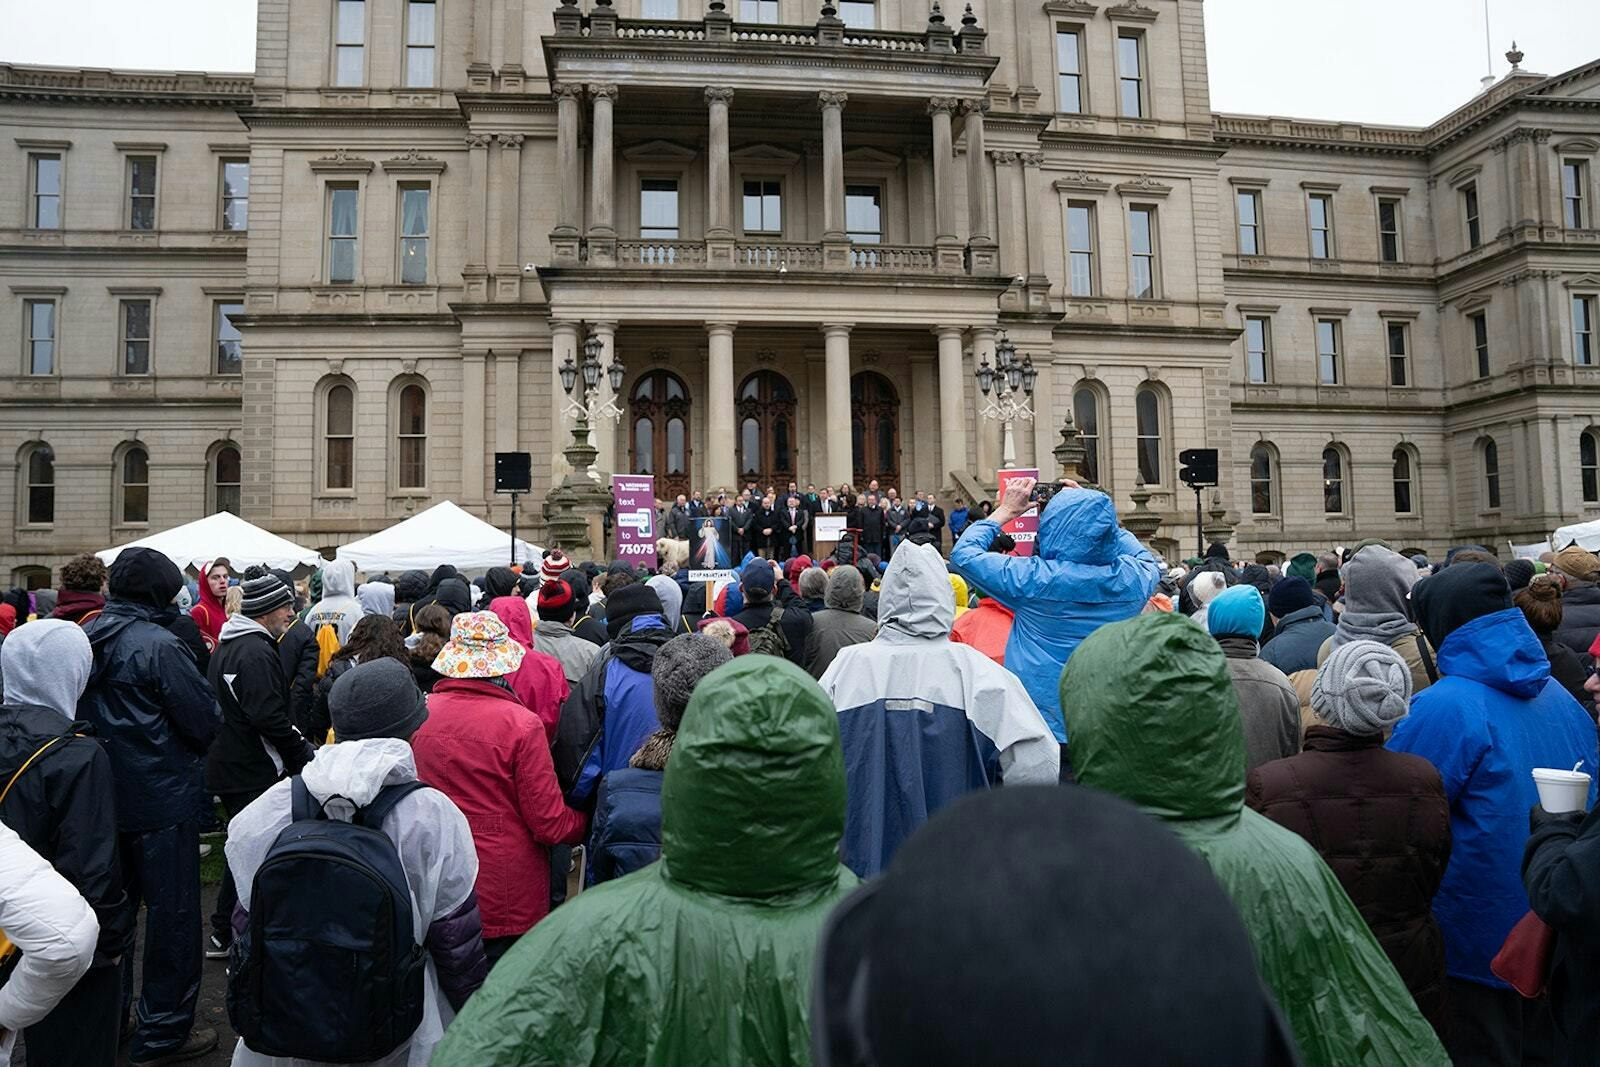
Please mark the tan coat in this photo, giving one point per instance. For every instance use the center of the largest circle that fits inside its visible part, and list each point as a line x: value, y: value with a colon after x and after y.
x: 1410, y: 648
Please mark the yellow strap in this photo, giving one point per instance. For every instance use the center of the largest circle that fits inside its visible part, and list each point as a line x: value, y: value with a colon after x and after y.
x: 6, y: 947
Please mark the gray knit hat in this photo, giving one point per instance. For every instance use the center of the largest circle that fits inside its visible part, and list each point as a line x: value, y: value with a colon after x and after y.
x: 376, y: 699
x: 1364, y: 688
x: 263, y: 594
x: 679, y: 666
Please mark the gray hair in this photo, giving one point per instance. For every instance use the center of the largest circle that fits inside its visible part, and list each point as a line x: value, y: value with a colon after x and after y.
x: 813, y: 583
x: 846, y: 590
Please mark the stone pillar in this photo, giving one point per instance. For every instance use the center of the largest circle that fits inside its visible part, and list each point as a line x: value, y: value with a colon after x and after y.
x: 602, y: 181
x: 924, y: 454
x: 475, y: 271
x: 511, y: 71
x: 836, y: 244
x: 605, y: 431
x: 506, y: 366
x: 980, y: 224
x: 473, y: 445
x: 836, y: 349
x: 508, y: 268
x: 1009, y: 231
x: 569, y: 173
x: 563, y: 346
x: 479, y: 70
x: 719, y: 204
x: 948, y: 252
x: 952, y: 405
x: 1035, y: 230
x: 721, y: 453
x: 990, y: 431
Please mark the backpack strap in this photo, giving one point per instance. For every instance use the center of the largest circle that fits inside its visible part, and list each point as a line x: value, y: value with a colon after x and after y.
x: 25, y: 765
x: 1427, y: 658
x: 302, y: 805
x: 374, y: 813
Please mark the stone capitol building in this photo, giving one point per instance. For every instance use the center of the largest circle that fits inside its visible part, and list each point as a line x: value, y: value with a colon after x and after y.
x: 325, y: 294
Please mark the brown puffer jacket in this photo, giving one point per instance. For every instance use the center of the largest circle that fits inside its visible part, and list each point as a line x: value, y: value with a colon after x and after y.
x: 1381, y: 822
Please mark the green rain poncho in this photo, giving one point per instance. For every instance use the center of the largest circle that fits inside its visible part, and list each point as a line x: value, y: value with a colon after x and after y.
x: 705, y: 957
x: 1152, y: 716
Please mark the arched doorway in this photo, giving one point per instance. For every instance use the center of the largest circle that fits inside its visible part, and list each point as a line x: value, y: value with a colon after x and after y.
x: 658, y: 420
x: 875, y: 430
x: 766, y: 429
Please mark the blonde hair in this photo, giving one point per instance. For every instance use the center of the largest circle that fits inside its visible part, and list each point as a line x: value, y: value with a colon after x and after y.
x: 233, y: 601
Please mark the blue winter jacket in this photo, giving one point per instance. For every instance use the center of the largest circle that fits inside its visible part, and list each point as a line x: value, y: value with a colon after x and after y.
x: 1494, y: 715
x: 626, y: 834
x: 610, y: 713
x: 1086, y: 572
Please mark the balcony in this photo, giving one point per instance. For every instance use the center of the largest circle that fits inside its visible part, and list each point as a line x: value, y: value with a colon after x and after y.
x: 781, y: 257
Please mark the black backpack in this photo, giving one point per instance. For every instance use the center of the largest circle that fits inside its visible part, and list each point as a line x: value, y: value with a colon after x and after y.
x: 329, y: 968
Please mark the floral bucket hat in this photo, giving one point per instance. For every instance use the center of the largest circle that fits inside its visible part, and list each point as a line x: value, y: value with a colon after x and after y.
x: 479, y: 647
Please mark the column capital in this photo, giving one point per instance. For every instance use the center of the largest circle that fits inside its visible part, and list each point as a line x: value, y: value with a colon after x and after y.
x: 565, y: 326
x: 834, y: 329
x: 479, y: 140
x: 977, y: 106
x: 602, y: 90
x: 944, y: 104
x: 829, y: 99
x: 721, y: 327
x: 509, y: 140
x: 984, y: 333
x: 567, y: 90
x: 718, y: 94
x: 1031, y: 159
x: 607, y: 327
x: 1004, y: 157
x: 946, y: 332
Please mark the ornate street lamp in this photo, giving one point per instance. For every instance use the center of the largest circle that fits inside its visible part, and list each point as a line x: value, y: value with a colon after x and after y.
x: 1012, y: 381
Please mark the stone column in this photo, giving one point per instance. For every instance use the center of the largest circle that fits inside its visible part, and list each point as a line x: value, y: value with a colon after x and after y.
x: 569, y: 173
x: 836, y: 244
x: 475, y: 271
x: 836, y: 353
x: 947, y: 243
x: 989, y: 430
x: 952, y: 405
x: 506, y: 366
x: 602, y: 180
x: 511, y: 71
x: 508, y: 268
x: 720, y: 467
x: 473, y: 445
x: 1035, y: 230
x: 482, y: 35
x: 563, y: 346
x: 605, y: 431
x: 719, y: 224
x: 1009, y: 233
x: 980, y: 224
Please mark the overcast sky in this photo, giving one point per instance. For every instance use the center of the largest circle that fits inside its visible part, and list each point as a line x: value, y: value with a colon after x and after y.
x: 1406, y: 62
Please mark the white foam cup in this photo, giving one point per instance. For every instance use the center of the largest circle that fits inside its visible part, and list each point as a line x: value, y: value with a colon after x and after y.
x: 1561, y: 790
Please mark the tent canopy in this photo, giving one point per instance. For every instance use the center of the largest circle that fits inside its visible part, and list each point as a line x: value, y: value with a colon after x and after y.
x: 442, y: 534
x: 1586, y: 535
x: 223, y: 534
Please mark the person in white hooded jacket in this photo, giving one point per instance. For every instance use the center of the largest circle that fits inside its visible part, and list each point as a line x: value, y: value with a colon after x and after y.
x: 924, y: 719
x: 52, y: 927
x: 338, y: 607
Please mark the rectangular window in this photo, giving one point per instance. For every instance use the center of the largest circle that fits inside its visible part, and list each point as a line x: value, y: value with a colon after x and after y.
x: 758, y: 11
x: 1399, y: 354
x: 658, y: 209
x: 1069, y: 71
x: 229, y: 353
x: 235, y: 194
x: 343, y: 208
x: 1328, y: 351
x: 1480, y: 342
x: 1142, y: 252
x: 350, y: 43
x: 1574, y: 176
x: 39, y: 335
x: 1389, y: 229
x: 1249, y: 201
x: 1319, y: 209
x: 859, y: 14
x: 1469, y: 211
x: 45, y: 173
x: 414, y: 232
x: 135, y: 339
x: 421, y: 38
x: 1080, y: 248
x: 1583, y: 351
x: 763, y: 207
x: 659, y: 9
x: 141, y: 192
x: 1130, y: 74
x: 1257, y: 350
x: 863, y: 213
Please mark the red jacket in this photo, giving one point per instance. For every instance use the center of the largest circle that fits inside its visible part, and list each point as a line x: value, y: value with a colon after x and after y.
x: 539, y: 683
x: 986, y: 628
x: 488, y: 754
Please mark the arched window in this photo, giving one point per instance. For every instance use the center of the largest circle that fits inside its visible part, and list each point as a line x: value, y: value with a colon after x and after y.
x: 1589, y: 465
x: 339, y: 437
x: 1147, y: 417
x: 411, y: 438
x: 766, y: 409
x: 1333, y: 487
x: 133, y: 486
x: 1086, y: 414
x: 659, y: 414
x: 39, y: 484
x: 1261, y: 487
x: 1491, y: 474
x: 226, y: 479
x: 875, y: 429
x: 1405, y: 501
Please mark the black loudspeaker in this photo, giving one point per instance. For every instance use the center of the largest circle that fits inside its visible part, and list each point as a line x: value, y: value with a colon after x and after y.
x: 1199, y: 467
x: 513, y: 472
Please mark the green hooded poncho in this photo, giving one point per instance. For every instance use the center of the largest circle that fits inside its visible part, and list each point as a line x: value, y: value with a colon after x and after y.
x: 1152, y: 716
x: 705, y: 957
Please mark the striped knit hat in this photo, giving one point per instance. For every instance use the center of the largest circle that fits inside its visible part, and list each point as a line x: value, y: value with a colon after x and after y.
x: 264, y: 593
x: 554, y: 566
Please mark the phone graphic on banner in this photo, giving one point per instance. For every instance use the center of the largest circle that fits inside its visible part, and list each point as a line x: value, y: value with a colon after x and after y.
x: 1024, y: 529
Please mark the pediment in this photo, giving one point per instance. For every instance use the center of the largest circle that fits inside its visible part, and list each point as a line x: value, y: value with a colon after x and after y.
x: 1580, y: 83
x: 865, y: 154
x: 764, y: 153
x: 660, y: 150
x: 1582, y: 281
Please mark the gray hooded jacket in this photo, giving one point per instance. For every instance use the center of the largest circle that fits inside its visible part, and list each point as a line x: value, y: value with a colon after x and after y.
x: 338, y: 607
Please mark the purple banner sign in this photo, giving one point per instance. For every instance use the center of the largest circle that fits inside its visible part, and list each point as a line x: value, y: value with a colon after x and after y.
x: 634, y: 500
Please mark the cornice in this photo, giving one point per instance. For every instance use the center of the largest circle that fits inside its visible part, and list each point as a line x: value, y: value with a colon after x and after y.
x: 268, y: 117
x: 135, y: 88
x: 1148, y: 146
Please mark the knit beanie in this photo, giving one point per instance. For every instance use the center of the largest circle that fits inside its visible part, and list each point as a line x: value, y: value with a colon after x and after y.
x: 1289, y: 596
x: 556, y: 601
x: 376, y: 699
x: 1304, y: 566
x: 1519, y: 572
x: 263, y: 594
x: 1236, y: 612
x: 554, y: 566
x: 1456, y: 596
x: 1576, y: 562
x: 679, y: 666
x: 627, y: 603
x: 1363, y: 687
x: 1205, y: 585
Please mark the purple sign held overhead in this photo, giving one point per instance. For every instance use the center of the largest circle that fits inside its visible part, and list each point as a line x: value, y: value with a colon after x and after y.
x: 634, y: 504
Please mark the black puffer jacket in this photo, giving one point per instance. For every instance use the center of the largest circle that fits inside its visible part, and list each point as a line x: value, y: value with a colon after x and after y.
x: 258, y: 742
x: 146, y: 699
x: 1561, y: 870
x: 297, y: 654
x: 1580, y: 617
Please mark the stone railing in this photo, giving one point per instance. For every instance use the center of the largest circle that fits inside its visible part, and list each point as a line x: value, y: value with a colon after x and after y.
x: 718, y: 26
x: 661, y: 254
x: 773, y: 256
x: 776, y: 256
x: 759, y: 33
x: 660, y: 30
x: 896, y: 259
x: 886, y: 41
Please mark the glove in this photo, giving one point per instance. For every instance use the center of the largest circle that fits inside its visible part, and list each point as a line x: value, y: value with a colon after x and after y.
x: 1538, y: 817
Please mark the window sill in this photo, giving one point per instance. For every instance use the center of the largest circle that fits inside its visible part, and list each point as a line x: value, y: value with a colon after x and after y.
x: 408, y: 494
x: 335, y: 494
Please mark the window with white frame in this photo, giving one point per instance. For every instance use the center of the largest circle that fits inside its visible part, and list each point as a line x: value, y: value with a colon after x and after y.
x: 1404, y: 500
x: 141, y: 193
x: 1574, y: 178
x: 1257, y: 349
x: 863, y: 213
x: 1589, y: 465
x: 411, y: 438
x: 1069, y: 70
x: 1249, y: 208
x: 1583, y: 341
x: 415, y: 229
x: 235, y: 194
x: 344, y: 202
x: 39, y: 335
x: 1142, y: 275
x: 658, y: 209
x: 1490, y: 453
x: 44, y: 179
x: 1389, y: 249
x: 350, y: 43
x: 1333, y: 481
x: 1329, y: 352
x: 1130, y: 74
x: 1469, y: 214
x: 1398, y: 338
x: 1479, y: 324
x: 859, y: 14
x: 765, y: 11
x: 422, y: 32
x: 230, y: 349
x: 1261, y: 487
x: 339, y: 436
x: 1319, y: 213
x: 134, y: 340
x: 763, y: 206
x: 1147, y: 430
x: 1080, y: 248
x: 133, y: 486
x: 39, y: 485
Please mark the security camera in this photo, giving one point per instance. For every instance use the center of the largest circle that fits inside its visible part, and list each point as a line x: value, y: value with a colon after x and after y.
x: 529, y: 268
x: 1021, y: 279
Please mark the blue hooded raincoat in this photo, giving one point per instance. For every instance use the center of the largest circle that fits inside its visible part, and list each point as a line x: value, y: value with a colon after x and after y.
x: 1087, y: 571
x: 1494, y: 715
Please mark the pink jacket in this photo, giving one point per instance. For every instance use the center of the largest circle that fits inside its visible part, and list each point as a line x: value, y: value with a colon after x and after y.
x: 481, y: 748
x: 539, y: 683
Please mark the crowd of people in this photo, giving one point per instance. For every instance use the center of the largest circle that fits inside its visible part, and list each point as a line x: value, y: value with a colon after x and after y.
x: 582, y: 813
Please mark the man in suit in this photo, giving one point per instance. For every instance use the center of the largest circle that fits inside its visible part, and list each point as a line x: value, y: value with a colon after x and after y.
x: 812, y: 503
x: 794, y: 527
x: 677, y: 522
x: 738, y: 523
x: 937, y: 514
x: 697, y: 506
x: 874, y: 532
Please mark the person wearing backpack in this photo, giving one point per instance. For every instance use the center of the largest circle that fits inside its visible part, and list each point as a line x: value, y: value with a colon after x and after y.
x: 778, y: 622
x: 306, y: 859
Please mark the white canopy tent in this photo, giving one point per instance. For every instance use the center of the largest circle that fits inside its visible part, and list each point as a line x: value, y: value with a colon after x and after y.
x: 442, y: 534
x: 1586, y: 535
x: 223, y: 534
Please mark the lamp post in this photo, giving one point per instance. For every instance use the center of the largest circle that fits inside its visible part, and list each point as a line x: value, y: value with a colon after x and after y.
x: 581, y: 382
x: 1011, y: 382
